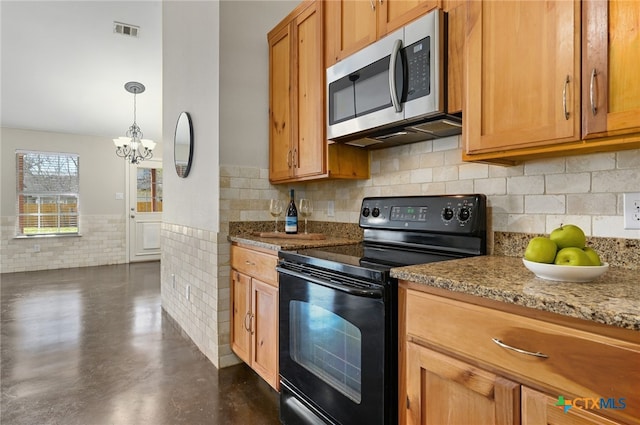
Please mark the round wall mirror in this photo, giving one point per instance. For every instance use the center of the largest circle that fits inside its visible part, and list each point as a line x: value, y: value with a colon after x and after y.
x: 183, y: 145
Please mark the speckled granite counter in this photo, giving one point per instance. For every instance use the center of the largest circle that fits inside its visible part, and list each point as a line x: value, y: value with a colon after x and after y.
x: 278, y: 244
x: 336, y: 234
x: 612, y: 299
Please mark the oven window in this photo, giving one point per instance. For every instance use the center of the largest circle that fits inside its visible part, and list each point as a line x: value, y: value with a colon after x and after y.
x: 328, y: 346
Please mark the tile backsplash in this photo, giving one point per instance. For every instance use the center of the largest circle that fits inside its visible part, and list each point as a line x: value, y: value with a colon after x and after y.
x: 533, y: 197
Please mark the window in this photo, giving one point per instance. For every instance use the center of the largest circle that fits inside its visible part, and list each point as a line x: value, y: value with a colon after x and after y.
x: 47, y: 191
x: 149, y: 190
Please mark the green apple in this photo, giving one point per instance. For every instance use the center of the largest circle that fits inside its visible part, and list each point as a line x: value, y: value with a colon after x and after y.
x: 572, y: 256
x: 541, y: 250
x: 593, y: 256
x: 568, y: 235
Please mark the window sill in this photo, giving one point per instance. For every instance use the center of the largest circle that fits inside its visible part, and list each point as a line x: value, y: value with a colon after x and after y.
x: 60, y: 235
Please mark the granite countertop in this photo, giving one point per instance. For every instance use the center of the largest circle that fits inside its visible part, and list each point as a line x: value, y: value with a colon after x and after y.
x: 612, y: 299
x: 286, y: 244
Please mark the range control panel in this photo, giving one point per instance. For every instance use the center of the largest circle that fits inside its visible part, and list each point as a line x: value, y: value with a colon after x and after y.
x: 440, y: 213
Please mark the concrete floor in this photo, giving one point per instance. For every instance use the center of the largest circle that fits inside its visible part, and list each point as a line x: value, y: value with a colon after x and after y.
x: 92, y: 346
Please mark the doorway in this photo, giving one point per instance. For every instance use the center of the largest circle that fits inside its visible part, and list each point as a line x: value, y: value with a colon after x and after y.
x: 145, y: 211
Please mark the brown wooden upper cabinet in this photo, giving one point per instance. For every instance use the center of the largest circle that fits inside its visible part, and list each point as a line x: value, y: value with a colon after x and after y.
x: 354, y: 24
x: 296, y: 93
x: 611, y: 79
x: 527, y: 92
x: 298, y: 149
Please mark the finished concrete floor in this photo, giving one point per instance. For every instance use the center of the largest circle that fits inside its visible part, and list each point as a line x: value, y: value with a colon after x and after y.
x: 92, y: 346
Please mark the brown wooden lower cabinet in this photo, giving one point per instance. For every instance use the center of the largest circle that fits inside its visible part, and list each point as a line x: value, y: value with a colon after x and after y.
x: 467, y: 360
x: 254, y: 311
x: 442, y: 390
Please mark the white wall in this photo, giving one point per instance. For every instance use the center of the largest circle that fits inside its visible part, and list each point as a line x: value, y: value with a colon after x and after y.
x: 244, y: 73
x: 191, y: 83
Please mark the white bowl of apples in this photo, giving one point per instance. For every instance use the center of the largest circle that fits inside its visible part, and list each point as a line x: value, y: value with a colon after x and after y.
x: 563, y: 256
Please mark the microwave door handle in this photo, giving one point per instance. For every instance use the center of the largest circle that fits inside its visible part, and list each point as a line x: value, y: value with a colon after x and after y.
x: 395, y: 100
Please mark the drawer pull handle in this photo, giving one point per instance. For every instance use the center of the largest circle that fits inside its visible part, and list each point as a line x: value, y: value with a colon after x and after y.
x: 518, y: 350
x: 249, y: 263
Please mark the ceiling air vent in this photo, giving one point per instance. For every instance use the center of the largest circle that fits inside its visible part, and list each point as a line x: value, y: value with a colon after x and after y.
x: 125, y: 29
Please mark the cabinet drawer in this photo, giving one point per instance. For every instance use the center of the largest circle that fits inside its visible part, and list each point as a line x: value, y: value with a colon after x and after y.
x: 578, y: 363
x: 255, y: 264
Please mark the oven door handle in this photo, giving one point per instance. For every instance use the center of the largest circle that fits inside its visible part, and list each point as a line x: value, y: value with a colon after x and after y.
x: 337, y: 285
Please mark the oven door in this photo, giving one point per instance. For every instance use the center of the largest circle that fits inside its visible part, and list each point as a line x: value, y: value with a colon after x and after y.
x: 336, y: 351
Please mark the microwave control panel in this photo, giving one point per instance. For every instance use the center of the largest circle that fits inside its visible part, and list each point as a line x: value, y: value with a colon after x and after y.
x: 417, y: 58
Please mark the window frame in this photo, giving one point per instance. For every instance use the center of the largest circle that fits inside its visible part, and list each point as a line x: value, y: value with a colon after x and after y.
x: 64, y: 192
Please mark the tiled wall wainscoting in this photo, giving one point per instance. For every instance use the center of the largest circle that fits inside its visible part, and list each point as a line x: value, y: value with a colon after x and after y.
x: 195, y: 288
x: 102, y: 243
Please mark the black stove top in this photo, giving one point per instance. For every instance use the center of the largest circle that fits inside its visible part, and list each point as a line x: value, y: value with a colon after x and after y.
x: 401, y: 231
x: 371, y: 261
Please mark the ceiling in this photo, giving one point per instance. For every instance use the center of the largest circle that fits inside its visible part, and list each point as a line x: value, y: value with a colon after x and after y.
x: 64, y: 67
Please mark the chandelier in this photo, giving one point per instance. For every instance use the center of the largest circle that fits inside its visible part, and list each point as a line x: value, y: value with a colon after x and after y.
x: 132, y: 146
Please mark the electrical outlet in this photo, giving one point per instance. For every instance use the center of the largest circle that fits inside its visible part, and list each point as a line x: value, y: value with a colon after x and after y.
x: 632, y: 210
x: 36, y: 248
x: 187, y: 293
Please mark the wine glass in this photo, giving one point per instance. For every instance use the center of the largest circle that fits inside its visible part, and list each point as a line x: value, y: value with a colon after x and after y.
x: 306, y: 208
x: 275, y: 209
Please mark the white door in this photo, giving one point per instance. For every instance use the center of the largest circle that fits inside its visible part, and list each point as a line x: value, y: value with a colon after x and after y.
x: 145, y: 211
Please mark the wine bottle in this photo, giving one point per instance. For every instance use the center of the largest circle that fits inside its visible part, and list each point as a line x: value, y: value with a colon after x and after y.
x: 291, y: 220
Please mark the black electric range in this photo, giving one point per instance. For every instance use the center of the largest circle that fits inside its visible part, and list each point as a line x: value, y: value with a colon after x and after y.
x: 338, y: 313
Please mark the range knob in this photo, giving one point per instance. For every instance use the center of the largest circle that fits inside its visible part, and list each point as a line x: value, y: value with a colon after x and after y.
x: 375, y: 212
x: 464, y: 214
x: 447, y: 213
x: 366, y: 211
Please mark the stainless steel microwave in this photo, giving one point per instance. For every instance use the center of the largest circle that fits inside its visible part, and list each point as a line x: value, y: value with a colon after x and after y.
x: 393, y: 91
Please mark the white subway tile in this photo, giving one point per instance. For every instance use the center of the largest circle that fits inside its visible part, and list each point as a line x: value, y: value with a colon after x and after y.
x: 525, y: 185
x: 473, y: 171
x: 544, y: 204
x: 544, y: 166
x: 568, y: 183
x: 490, y: 186
x: 592, y: 162
x: 592, y: 204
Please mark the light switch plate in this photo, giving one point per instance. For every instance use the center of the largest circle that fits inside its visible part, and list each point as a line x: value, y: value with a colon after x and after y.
x: 632, y: 210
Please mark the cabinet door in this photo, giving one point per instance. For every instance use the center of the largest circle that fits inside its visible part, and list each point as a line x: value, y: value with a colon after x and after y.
x: 456, y: 12
x: 280, y: 99
x: 611, y: 52
x: 443, y: 390
x: 350, y: 26
x: 264, y: 329
x: 309, y: 145
x: 522, y: 74
x: 393, y: 14
x: 241, y: 315
x: 539, y: 408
